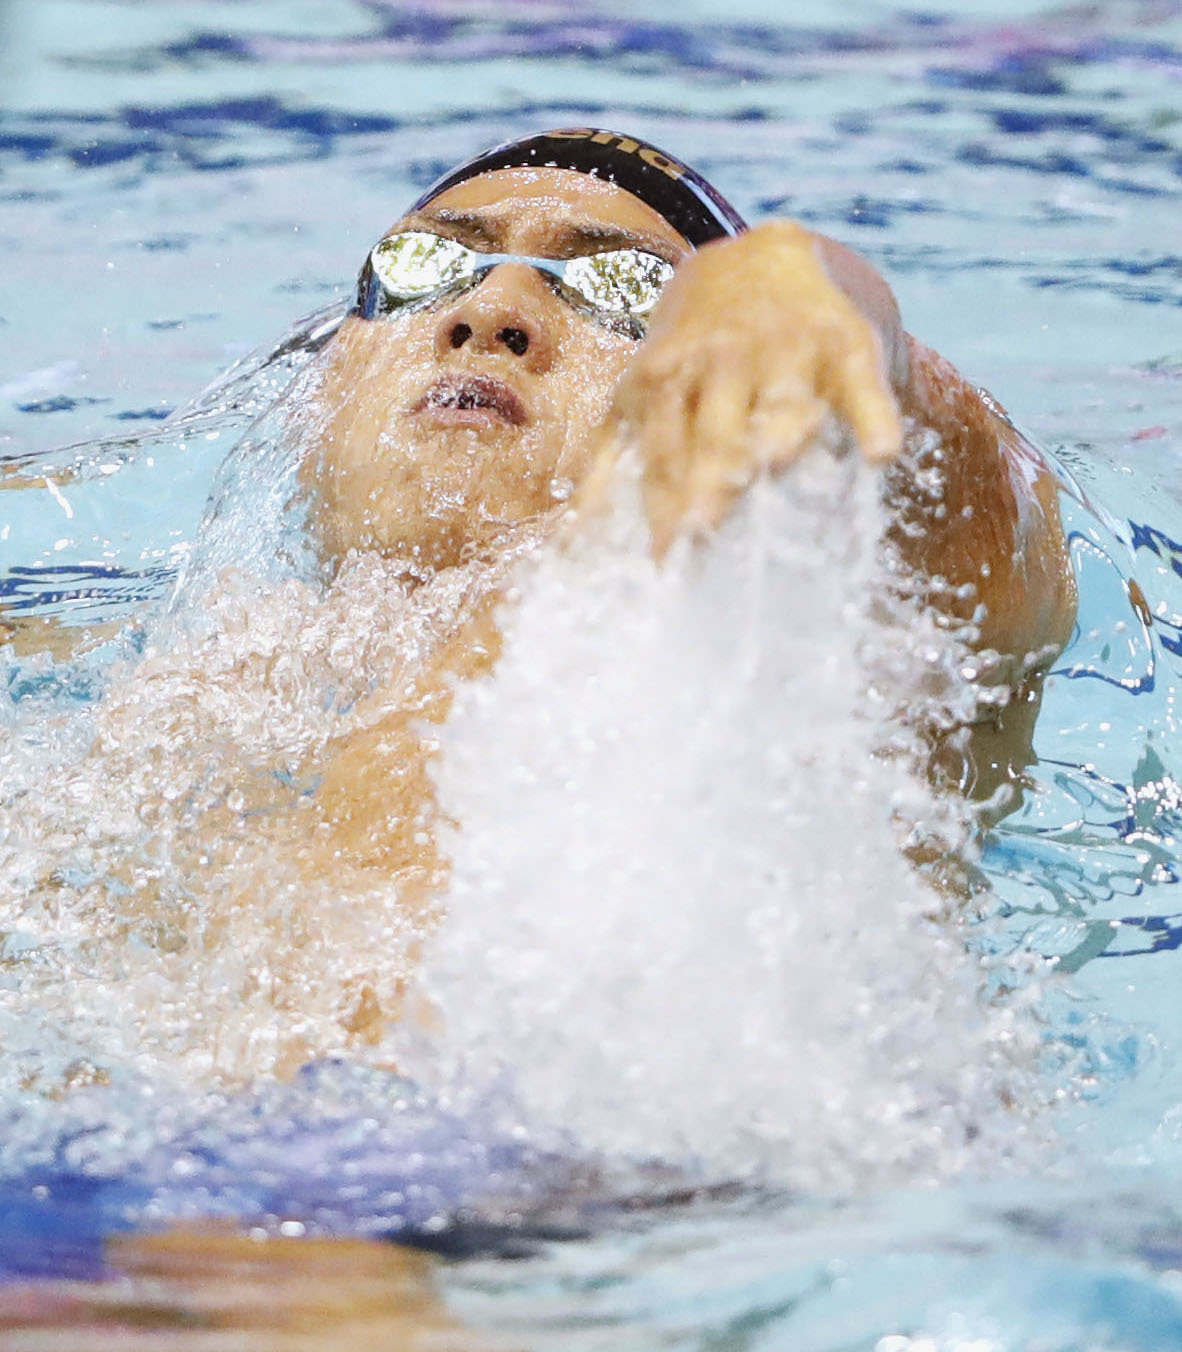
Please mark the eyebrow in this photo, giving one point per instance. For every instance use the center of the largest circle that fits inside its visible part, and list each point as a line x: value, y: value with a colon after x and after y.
x: 469, y: 227
x: 578, y: 235
x: 482, y: 230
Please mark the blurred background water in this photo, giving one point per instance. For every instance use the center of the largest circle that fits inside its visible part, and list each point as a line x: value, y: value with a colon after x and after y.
x: 180, y: 181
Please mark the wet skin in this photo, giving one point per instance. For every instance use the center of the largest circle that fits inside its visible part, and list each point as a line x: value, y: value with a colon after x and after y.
x: 197, y: 1290
x: 758, y: 344
x: 402, y: 467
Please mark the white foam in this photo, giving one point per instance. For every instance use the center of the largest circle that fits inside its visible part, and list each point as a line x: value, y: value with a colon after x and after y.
x: 679, y: 925
x: 153, y: 919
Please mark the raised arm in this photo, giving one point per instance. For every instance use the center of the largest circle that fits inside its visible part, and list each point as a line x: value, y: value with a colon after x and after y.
x: 762, y: 339
x: 995, y: 523
x: 764, y: 342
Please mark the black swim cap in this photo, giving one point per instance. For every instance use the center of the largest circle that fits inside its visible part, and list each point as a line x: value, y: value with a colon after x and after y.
x: 691, y: 206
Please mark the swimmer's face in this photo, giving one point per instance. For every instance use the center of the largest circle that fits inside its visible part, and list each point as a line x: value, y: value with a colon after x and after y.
x: 447, y: 424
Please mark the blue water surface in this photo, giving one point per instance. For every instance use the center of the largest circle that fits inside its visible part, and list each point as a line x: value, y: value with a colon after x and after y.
x: 178, y: 183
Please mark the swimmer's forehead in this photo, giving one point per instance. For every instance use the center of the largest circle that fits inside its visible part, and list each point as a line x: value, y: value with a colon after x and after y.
x: 548, y: 212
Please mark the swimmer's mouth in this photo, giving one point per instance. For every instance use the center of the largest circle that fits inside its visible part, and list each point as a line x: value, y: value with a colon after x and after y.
x: 471, y: 400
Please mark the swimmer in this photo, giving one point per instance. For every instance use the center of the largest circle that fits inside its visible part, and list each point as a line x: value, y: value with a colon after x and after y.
x: 572, y: 293
x: 266, y: 829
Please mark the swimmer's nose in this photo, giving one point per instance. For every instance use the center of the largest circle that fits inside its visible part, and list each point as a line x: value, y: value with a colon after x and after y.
x: 505, y: 313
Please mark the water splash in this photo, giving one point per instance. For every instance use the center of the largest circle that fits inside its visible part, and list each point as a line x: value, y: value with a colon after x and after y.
x: 679, y: 925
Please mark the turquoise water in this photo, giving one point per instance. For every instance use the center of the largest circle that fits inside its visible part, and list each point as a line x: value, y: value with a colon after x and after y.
x: 181, y: 182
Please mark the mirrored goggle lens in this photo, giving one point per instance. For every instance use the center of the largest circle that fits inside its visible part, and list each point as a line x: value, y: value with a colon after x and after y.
x: 622, y: 282
x: 416, y: 263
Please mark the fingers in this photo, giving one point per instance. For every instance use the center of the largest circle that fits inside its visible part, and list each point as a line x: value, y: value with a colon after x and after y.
x: 723, y: 396
x: 670, y: 453
x: 705, y: 459
x: 707, y: 432
x: 720, y: 392
x: 866, y: 403
x: 786, y: 420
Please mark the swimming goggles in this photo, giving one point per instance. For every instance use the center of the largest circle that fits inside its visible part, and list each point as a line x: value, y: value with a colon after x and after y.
x: 416, y: 268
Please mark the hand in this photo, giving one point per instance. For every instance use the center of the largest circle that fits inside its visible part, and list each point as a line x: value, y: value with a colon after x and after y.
x: 751, y: 352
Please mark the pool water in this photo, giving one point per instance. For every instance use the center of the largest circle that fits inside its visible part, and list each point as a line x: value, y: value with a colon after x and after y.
x: 180, y: 184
